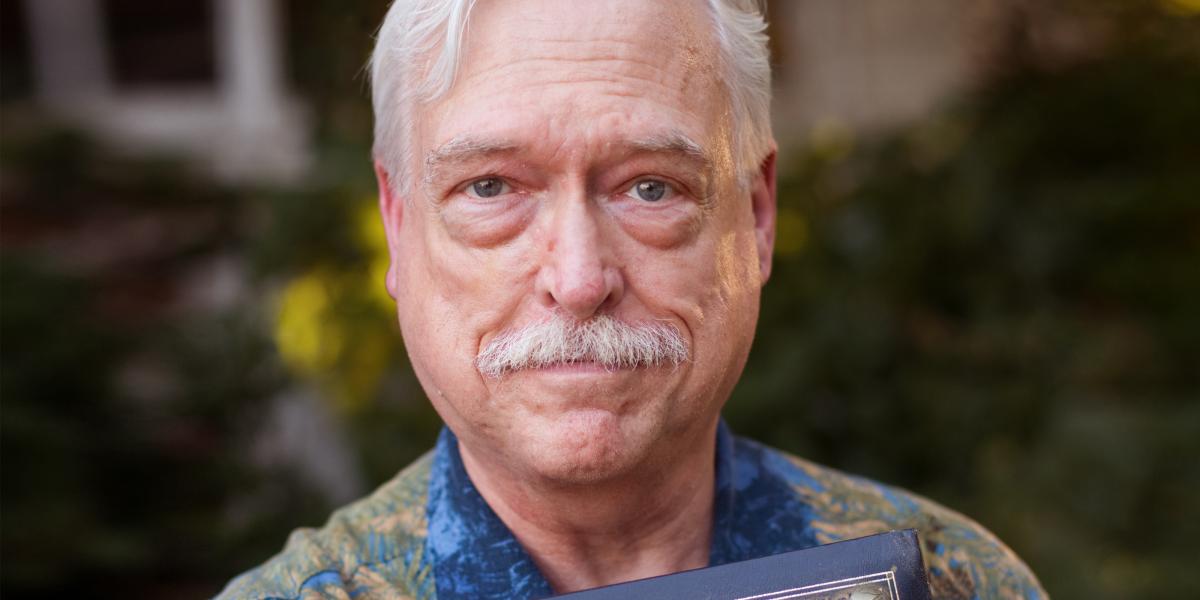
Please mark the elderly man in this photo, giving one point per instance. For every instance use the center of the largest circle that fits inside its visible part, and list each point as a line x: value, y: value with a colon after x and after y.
x: 579, y: 198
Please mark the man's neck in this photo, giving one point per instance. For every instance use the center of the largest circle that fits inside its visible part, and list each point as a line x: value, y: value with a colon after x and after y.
x: 587, y: 536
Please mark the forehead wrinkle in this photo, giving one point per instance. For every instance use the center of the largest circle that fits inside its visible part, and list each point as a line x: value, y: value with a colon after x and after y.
x: 610, y: 77
x: 679, y: 73
x: 672, y: 49
x: 665, y: 27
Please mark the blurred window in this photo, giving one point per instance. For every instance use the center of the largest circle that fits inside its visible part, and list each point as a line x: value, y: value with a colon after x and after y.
x: 156, y: 42
x: 14, y: 52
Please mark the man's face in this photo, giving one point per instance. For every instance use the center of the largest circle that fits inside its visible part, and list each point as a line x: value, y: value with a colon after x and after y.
x: 579, y: 167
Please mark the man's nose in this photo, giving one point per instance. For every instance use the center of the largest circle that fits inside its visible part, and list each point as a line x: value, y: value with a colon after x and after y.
x: 578, y: 273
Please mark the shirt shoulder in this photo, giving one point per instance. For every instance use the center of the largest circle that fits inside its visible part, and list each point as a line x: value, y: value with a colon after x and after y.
x: 372, y: 548
x: 963, y: 560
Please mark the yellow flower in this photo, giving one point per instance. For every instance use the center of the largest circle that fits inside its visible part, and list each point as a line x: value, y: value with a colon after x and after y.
x: 336, y: 326
x: 308, y: 341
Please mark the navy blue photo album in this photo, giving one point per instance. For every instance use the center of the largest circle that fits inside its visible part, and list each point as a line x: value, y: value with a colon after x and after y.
x: 887, y: 566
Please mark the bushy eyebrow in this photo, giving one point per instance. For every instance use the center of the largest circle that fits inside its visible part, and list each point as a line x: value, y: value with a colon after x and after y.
x: 462, y: 149
x: 674, y: 142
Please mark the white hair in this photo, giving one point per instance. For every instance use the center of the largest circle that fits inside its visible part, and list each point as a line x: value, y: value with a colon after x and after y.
x: 602, y: 339
x: 417, y: 54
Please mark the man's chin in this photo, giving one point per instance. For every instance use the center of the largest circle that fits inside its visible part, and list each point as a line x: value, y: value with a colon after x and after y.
x: 582, y: 446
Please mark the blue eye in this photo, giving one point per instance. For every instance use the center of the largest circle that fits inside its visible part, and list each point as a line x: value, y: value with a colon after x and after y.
x: 651, y: 190
x: 488, y: 187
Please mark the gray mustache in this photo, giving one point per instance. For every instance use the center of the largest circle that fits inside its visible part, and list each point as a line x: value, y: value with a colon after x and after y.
x: 603, y: 340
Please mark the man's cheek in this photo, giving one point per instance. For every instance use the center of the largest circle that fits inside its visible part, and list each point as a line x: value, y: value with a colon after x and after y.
x: 475, y: 290
x: 677, y: 284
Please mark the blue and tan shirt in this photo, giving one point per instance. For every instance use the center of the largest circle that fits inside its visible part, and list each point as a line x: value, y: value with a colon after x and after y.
x: 428, y: 533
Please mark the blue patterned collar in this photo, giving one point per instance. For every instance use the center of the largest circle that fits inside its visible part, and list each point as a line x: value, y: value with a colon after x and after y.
x: 474, y: 555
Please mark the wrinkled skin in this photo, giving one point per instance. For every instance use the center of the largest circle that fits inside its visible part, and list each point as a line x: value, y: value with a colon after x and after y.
x: 564, y: 107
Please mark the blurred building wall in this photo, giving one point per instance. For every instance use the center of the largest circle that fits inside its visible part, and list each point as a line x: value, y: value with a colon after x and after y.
x: 871, y: 64
x: 240, y: 120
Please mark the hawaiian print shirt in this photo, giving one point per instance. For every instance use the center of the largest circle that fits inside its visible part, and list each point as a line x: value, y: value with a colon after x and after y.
x: 428, y: 533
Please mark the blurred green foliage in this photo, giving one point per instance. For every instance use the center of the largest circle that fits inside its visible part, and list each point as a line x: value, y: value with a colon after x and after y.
x: 994, y: 307
x: 103, y: 489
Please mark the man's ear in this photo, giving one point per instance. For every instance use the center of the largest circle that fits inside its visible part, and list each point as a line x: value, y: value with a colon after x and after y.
x: 391, y: 208
x: 762, y: 197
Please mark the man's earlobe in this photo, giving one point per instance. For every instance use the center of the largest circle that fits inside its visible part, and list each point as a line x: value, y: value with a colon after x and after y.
x: 762, y: 194
x: 391, y: 209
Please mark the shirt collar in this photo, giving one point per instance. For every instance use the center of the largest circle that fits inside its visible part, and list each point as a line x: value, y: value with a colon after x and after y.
x: 474, y: 555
